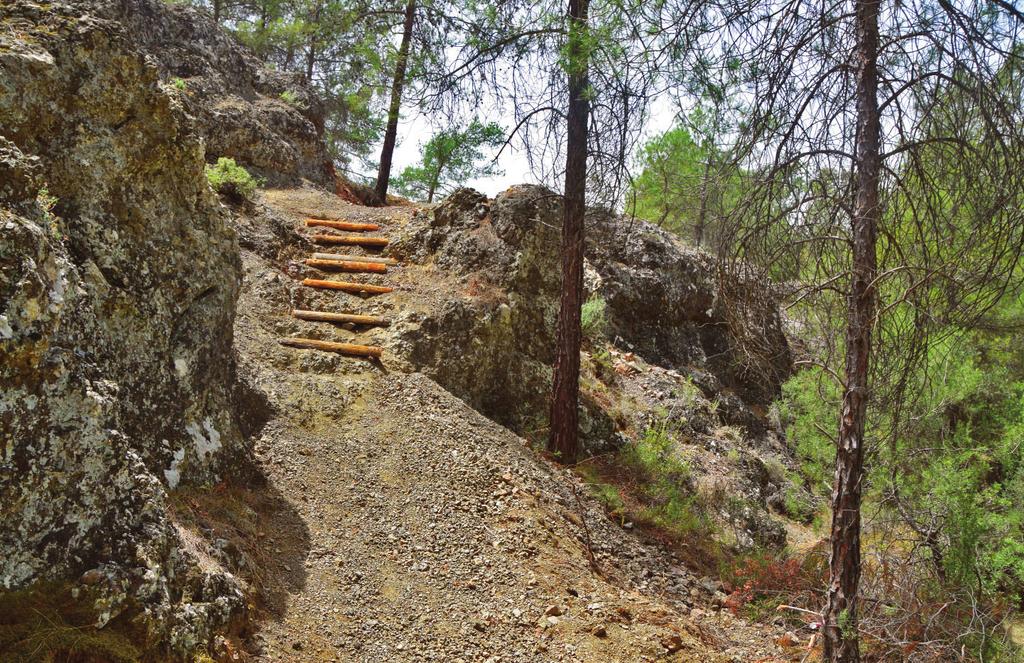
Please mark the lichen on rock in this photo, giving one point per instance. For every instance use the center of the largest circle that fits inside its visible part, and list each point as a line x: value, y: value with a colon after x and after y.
x: 234, y: 101
x: 117, y: 289
x: 663, y: 302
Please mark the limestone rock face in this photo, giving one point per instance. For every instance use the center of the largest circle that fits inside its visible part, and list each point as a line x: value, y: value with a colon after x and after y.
x: 118, y: 278
x: 664, y: 302
x: 236, y: 103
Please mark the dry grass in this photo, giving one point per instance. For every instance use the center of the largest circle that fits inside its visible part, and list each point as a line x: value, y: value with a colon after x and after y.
x: 46, y: 624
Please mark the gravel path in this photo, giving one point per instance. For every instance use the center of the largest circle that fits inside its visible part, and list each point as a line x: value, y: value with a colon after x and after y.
x: 397, y: 524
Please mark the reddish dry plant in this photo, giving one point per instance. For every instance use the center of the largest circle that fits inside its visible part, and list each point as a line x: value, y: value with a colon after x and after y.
x: 905, y: 613
x: 791, y: 579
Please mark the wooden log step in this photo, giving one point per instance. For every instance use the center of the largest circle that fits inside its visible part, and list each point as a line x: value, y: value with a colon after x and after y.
x: 331, y: 346
x: 353, y: 240
x: 340, y: 256
x: 355, y: 288
x: 343, y: 225
x: 345, y: 318
x: 347, y: 265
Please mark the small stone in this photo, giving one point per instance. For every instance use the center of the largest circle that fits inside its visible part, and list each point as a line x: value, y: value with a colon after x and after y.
x: 600, y: 631
x: 554, y: 610
x: 672, y: 642
x: 788, y: 639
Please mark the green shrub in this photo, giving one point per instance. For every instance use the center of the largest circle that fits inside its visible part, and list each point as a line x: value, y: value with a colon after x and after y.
x: 229, y: 179
x: 775, y: 469
x: 653, y: 454
x: 610, y: 497
x: 669, y: 503
x: 179, y: 84
x: 604, y: 364
x: 808, y: 410
x: 592, y: 317
x: 289, y: 98
x: 797, y: 505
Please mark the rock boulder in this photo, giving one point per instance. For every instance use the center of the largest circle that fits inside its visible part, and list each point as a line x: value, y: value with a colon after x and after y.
x: 118, y: 279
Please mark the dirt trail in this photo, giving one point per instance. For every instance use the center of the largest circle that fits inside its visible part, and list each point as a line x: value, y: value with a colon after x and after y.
x: 395, y: 523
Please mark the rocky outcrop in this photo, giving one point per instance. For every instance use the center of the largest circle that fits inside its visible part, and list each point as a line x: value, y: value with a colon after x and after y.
x: 118, y: 278
x: 687, y: 352
x: 669, y: 303
x: 665, y: 302
x: 271, y: 122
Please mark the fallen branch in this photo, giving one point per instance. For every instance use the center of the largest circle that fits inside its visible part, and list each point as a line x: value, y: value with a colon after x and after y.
x: 330, y: 346
x: 343, y: 225
x: 339, y: 256
x: 324, y: 316
x: 347, y: 266
x: 352, y: 240
x: 356, y: 288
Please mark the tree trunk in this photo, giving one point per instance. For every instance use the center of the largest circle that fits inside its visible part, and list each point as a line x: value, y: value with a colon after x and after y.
x: 698, y: 231
x: 839, y: 619
x: 564, y: 439
x: 434, y: 181
x: 387, y: 152
x: 217, y: 8
x: 311, y: 46
x: 310, y: 60
x: 264, y: 20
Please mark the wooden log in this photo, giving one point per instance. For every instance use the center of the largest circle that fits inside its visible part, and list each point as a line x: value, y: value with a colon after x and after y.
x: 341, y: 256
x: 350, y: 318
x: 347, y: 266
x: 355, y: 288
x: 352, y: 240
x: 331, y: 346
x: 343, y: 225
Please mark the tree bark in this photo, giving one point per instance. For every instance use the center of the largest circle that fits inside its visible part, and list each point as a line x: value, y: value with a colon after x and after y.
x: 342, y: 318
x: 839, y: 619
x: 434, y: 181
x: 342, y: 256
x: 698, y: 231
x: 331, y: 346
x: 343, y: 225
x: 564, y: 438
x: 347, y: 265
x: 289, y: 57
x: 311, y: 53
x: 351, y: 240
x: 345, y: 286
x: 387, y: 152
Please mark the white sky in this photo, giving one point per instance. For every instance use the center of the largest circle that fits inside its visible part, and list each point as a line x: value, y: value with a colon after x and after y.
x: 414, y: 131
